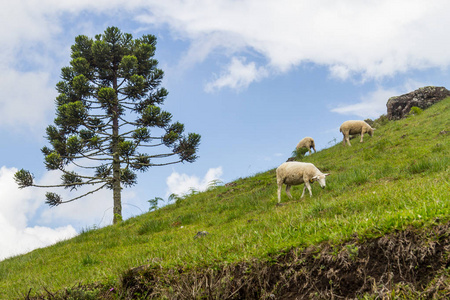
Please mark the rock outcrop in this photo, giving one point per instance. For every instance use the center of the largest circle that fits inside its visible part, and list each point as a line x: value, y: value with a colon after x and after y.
x: 398, y: 107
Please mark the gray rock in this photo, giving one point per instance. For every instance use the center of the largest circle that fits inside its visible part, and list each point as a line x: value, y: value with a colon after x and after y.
x: 398, y: 107
x: 201, y: 234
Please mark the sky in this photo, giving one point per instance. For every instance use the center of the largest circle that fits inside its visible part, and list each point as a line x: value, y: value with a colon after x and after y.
x: 252, y: 77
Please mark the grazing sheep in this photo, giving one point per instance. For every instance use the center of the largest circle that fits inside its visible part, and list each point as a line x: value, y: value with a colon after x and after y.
x: 355, y: 127
x: 295, y: 173
x: 307, y: 143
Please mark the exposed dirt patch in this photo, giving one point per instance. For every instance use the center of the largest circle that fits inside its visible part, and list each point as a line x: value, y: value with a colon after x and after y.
x: 412, y: 264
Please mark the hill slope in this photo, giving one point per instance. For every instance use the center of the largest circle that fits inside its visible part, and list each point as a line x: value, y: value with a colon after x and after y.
x: 388, y: 196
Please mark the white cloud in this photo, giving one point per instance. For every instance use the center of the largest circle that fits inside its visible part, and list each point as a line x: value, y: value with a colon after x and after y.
x: 340, y: 71
x: 238, y: 76
x: 181, y: 184
x: 18, y: 206
x: 371, y: 106
x: 367, y: 39
x: 15, y: 241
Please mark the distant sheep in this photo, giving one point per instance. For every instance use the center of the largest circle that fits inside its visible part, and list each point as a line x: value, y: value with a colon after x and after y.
x: 296, y: 173
x: 355, y: 127
x: 307, y: 143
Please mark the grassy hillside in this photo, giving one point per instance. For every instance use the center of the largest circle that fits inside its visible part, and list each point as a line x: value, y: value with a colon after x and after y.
x: 396, y: 180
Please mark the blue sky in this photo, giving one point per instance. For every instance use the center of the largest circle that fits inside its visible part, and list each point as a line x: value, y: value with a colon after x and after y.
x: 253, y: 77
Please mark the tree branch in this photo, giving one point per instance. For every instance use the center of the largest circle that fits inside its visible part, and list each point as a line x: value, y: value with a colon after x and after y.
x: 88, y: 193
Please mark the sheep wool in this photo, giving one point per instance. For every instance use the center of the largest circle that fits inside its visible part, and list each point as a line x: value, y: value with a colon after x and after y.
x: 295, y: 173
x: 354, y: 127
x: 308, y: 143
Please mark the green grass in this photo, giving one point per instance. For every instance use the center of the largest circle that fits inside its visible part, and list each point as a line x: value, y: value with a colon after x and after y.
x: 395, y: 179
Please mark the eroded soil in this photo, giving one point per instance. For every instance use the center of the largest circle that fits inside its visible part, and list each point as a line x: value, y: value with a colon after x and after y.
x: 411, y: 264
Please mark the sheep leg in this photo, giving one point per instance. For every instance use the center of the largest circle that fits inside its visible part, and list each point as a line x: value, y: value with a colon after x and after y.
x: 307, y: 185
x: 279, y: 191
x: 362, y: 134
x: 347, y: 138
x: 303, y: 194
x: 288, y: 191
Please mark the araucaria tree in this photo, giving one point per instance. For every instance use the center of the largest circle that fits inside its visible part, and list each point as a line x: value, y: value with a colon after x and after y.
x: 109, y: 99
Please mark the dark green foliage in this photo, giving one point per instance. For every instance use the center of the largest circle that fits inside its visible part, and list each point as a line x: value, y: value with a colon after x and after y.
x: 23, y: 178
x: 71, y: 179
x: 415, y: 110
x: 381, y: 121
x: 53, y: 161
x: 53, y: 199
x: 154, y: 203
x: 369, y: 121
x: 298, y: 154
x: 109, y: 98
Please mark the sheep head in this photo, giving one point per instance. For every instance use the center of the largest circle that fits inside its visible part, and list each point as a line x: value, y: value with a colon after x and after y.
x: 320, y: 178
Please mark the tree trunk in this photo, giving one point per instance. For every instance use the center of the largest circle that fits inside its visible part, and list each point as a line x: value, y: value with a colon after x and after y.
x: 117, y: 190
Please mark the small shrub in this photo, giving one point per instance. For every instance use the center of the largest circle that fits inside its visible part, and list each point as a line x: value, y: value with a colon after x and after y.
x: 415, y: 111
x: 369, y: 121
x: 381, y: 121
x: 299, y: 154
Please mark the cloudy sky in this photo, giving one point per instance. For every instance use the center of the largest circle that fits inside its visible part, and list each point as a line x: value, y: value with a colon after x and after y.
x: 252, y: 77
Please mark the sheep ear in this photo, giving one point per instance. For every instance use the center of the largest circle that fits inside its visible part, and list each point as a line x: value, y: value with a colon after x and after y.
x: 326, y: 174
x: 313, y: 179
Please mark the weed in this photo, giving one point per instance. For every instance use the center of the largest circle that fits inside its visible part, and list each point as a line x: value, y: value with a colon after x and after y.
x: 352, y: 251
x: 154, y: 203
x: 88, y: 260
x: 153, y: 226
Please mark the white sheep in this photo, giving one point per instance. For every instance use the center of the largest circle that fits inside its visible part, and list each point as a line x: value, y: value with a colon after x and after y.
x: 308, y: 143
x: 295, y: 173
x: 355, y: 127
